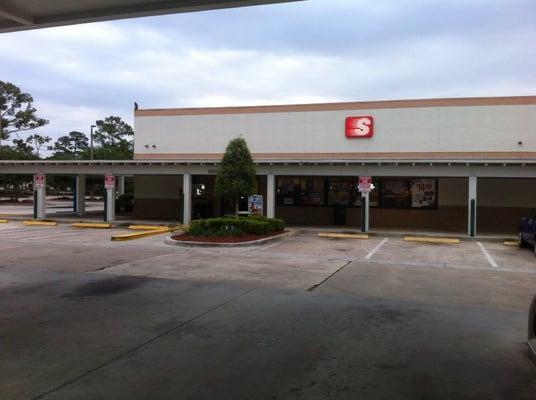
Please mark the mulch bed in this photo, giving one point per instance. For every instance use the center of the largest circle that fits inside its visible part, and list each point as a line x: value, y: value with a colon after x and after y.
x: 184, y: 237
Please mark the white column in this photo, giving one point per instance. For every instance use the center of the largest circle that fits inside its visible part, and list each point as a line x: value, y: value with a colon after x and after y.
x: 187, y: 198
x: 472, y: 201
x: 110, y: 204
x: 120, y: 185
x: 364, y: 211
x: 41, y: 202
x: 270, y: 196
x: 80, y: 195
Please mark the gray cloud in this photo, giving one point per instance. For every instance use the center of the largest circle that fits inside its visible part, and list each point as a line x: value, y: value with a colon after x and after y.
x: 297, y: 52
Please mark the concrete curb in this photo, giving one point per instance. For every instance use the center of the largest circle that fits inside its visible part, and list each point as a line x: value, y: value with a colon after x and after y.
x: 262, y: 241
x: 138, y: 235
x: 397, y: 234
x: 94, y: 225
x: 37, y: 222
x: 343, y: 235
x: 432, y: 240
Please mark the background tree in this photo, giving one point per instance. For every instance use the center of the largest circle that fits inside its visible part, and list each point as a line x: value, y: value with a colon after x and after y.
x: 113, y: 139
x: 37, y: 142
x: 70, y: 147
x: 16, y: 185
x: 236, y: 174
x: 17, y: 113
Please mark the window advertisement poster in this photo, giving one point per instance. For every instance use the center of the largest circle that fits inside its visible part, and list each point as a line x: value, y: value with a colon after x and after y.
x: 396, y: 194
x: 423, y: 193
x: 255, y: 204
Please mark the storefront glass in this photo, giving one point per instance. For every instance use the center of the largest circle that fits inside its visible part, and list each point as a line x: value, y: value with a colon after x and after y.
x: 343, y: 192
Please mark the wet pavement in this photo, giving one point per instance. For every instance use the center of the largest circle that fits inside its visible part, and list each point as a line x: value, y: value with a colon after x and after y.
x: 306, y: 318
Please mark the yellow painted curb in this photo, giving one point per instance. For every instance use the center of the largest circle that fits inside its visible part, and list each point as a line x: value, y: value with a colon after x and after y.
x: 146, y: 227
x: 511, y: 243
x: 343, y: 235
x: 91, y: 225
x: 4, y: 221
x: 139, y: 235
x: 42, y: 223
x: 431, y: 240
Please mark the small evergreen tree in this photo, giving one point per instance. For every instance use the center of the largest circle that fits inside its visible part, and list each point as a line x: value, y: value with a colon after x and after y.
x: 236, y: 174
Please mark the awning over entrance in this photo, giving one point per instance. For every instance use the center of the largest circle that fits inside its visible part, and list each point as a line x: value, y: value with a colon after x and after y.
x: 17, y: 15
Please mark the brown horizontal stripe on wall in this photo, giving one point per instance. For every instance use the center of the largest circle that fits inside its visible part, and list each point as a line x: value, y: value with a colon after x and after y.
x: 348, y: 156
x: 354, y: 105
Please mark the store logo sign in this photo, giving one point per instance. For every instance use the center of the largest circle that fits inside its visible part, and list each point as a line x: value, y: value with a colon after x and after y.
x: 359, y: 127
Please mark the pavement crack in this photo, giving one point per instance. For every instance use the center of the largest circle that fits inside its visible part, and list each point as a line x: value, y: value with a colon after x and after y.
x: 141, y: 345
x: 329, y: 276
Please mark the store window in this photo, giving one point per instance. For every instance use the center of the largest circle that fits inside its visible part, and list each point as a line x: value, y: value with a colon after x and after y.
x: 408, y: 193
x: 300, y: 191
x: 343, y: 192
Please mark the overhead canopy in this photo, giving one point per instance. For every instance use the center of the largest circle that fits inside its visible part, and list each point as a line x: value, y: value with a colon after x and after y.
x: 16, y: 15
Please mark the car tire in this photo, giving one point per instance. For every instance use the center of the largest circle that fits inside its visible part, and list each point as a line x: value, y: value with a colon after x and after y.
x: 521, y: 242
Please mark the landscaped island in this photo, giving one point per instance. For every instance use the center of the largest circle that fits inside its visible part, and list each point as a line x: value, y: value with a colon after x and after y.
x: 231, y: 230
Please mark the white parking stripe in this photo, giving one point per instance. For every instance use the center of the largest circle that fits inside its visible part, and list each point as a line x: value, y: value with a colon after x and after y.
x: 50, y: 236
x: 375, y: 249
x: 487, y: 255
x: 20, y: 234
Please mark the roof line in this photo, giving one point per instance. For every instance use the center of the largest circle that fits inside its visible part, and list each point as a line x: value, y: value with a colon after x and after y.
x: 376, y: 104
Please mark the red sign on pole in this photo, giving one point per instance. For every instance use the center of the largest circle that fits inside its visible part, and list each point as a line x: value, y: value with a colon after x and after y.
x: 359, y: 127
x: 109, y: 181
x: 39, y: 180
x: 365, y: 184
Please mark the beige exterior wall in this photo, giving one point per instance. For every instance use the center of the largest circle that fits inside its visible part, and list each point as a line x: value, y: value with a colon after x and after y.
x: 480, y: 128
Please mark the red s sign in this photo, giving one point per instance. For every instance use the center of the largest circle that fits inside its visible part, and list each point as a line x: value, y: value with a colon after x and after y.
x: 359, y: 127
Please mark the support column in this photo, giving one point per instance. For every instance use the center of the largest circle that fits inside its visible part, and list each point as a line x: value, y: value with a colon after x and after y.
x: 109, y: 198
x: 471, y: 218
x: 74, y: 193
x: 80, y: 195
x: 187, y: 198
x: 120, y: 185
x: 110, y: 204
x: 40, y: 193
x: 270, y: 196
x: 364, y: 211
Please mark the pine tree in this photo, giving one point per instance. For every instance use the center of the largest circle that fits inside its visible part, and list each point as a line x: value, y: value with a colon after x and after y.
x: 236, y: 174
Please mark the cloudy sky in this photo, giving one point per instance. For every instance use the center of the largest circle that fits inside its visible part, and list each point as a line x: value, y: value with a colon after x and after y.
x: 313, y: 51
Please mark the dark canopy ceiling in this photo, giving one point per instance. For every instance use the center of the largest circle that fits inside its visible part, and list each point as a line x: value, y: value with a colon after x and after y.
x: 16, y: 15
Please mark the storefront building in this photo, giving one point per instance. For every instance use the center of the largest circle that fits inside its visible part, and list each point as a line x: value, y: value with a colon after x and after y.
x: 461, y: 165
x: 428, y: 159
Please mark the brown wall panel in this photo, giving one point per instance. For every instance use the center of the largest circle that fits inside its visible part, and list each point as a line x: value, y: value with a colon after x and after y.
x: 500, y: 219
x: 445, y: 218
x: 157, y: 209
x: 305, y: 215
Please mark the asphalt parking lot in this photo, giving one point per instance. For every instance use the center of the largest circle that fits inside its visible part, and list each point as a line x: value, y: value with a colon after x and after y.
x: 306, y: 318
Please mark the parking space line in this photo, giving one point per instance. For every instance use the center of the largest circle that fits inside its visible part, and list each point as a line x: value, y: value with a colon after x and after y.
x: 50, y: 236
x: 487, y: 255
x: 375, y: 249
x: 15, y: 233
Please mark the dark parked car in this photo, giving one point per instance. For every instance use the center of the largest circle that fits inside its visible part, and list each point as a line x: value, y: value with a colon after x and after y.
x: 532, y: 330
x: 527, y: 232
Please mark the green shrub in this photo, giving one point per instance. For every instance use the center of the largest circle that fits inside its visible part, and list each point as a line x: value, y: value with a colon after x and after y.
x: 197, y: 227
x: 230, y: 226
x: 279, y: 224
